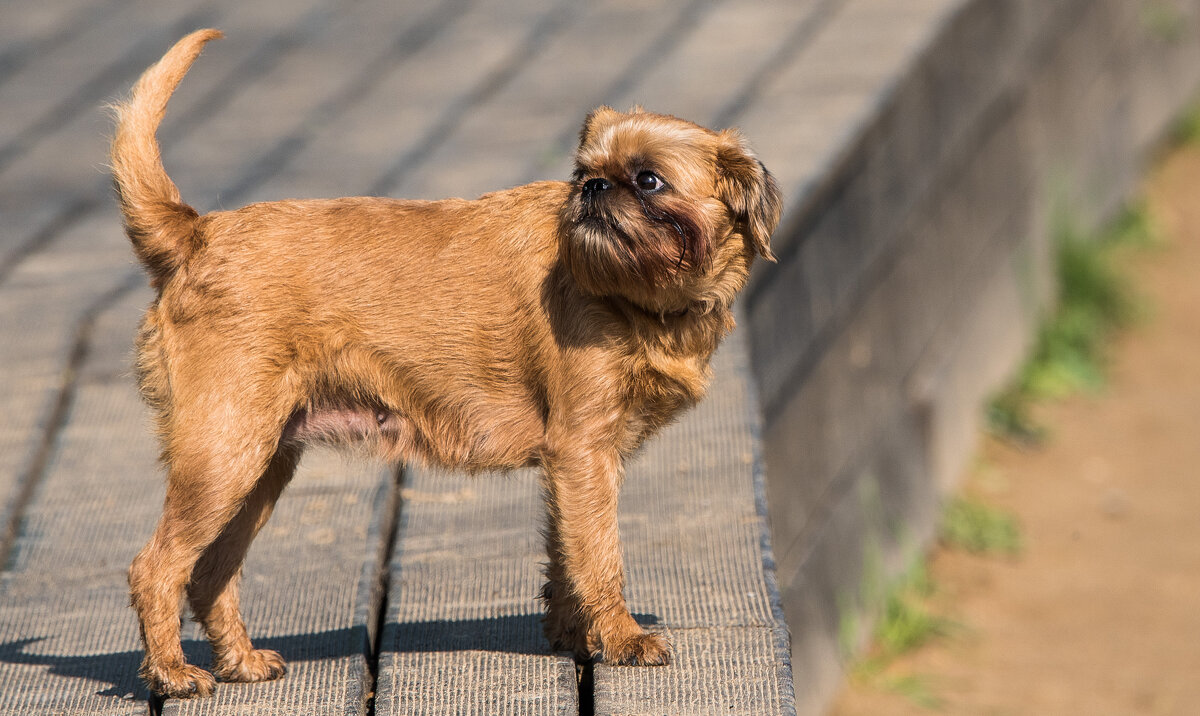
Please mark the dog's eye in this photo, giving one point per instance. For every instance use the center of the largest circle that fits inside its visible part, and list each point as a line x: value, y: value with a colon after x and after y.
x: 649, y: 181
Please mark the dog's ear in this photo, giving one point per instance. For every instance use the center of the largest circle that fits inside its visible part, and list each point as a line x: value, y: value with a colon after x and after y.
x: 597, y: 119
x: 748, y: 189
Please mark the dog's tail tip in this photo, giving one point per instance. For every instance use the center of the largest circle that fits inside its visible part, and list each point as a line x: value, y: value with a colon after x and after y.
x: 157, y: 221
x: 204, y: 35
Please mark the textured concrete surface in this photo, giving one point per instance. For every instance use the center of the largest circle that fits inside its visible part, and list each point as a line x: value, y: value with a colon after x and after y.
x: 916, y: 262
x: 922, y: 147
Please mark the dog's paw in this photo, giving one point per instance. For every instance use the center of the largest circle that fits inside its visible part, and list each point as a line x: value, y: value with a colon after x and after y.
x: 179, y: 682
x: 254, y: 665
x: 644, y: 649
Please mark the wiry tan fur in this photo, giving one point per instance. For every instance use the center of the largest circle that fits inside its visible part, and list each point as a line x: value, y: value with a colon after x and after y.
x: 553, y: 324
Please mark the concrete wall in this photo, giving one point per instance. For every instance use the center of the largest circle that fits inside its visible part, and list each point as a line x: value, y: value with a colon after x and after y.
x: 912, y: 274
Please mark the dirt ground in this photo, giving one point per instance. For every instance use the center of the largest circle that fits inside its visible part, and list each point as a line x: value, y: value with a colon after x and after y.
x: 1100, y: 613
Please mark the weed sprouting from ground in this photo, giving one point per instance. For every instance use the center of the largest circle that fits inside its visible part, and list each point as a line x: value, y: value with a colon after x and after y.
x: 1069, y: 356
x: 1187, y: 128
x: 916, y: 688
x: 906, y: 622
x: 1070, y: 351
x: 979, y: 528
x: 907, y: 618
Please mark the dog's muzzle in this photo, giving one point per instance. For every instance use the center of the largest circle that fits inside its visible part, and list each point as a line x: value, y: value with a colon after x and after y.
x: 594, y: 187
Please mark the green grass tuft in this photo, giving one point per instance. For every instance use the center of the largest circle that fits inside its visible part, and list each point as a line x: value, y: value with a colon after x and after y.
x: 1187, y: 128
x: 917, y: 689
x: 1070, y: 351
x: 979, y: 529
x: 906, y: 623
x: 1010, y: 416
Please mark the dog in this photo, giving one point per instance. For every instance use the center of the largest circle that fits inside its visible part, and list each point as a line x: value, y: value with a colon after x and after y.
x: 557, y: 324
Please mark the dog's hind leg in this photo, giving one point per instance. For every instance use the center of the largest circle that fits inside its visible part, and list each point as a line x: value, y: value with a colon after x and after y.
x: 219, y: 445
x: 213, y: 589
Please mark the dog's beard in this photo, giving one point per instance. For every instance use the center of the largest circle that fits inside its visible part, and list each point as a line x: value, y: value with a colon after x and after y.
x: 630, y: 247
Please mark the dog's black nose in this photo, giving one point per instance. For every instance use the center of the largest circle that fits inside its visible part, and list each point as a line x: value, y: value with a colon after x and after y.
x: 591, y: 187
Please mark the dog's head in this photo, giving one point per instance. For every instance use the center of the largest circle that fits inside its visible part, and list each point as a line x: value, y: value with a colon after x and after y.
x: 665, y: 213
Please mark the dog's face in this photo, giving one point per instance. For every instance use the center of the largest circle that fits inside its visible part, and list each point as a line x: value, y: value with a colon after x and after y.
x: 665, y: 213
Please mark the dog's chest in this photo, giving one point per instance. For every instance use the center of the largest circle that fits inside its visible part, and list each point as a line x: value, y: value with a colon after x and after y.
x: 663, y: 388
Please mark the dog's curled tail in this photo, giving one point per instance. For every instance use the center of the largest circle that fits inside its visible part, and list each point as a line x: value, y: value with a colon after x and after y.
x: 157, y: 221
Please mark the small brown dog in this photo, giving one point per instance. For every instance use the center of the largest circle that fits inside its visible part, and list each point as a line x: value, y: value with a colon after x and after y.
x: 557, y: 324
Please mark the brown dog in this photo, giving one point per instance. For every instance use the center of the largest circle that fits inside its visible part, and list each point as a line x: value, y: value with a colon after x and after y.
x: 557, y: 324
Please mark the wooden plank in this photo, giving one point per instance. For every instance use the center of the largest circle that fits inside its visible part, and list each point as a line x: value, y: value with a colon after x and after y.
x: 68, y: 640
x: 463, y: 631
x: 310, y: 591
x: 693, y: 527
x: 416, y: 99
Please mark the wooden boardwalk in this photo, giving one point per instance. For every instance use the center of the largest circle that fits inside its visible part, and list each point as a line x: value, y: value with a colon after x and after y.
x: 413, y: 592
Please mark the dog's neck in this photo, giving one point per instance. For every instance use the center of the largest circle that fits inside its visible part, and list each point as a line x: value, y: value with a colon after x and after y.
x: 699, y: 326
x: 669, y: 358
x: 632, y: 308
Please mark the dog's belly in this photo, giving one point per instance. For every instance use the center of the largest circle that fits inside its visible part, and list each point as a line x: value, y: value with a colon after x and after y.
x: 342, y: 424
x: 396, y: 437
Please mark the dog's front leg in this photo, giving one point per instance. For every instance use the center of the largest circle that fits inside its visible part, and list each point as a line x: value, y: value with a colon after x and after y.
x: 584, y: 594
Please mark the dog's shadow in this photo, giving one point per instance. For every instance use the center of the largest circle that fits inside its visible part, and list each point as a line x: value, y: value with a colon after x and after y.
x: 117, y: 671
